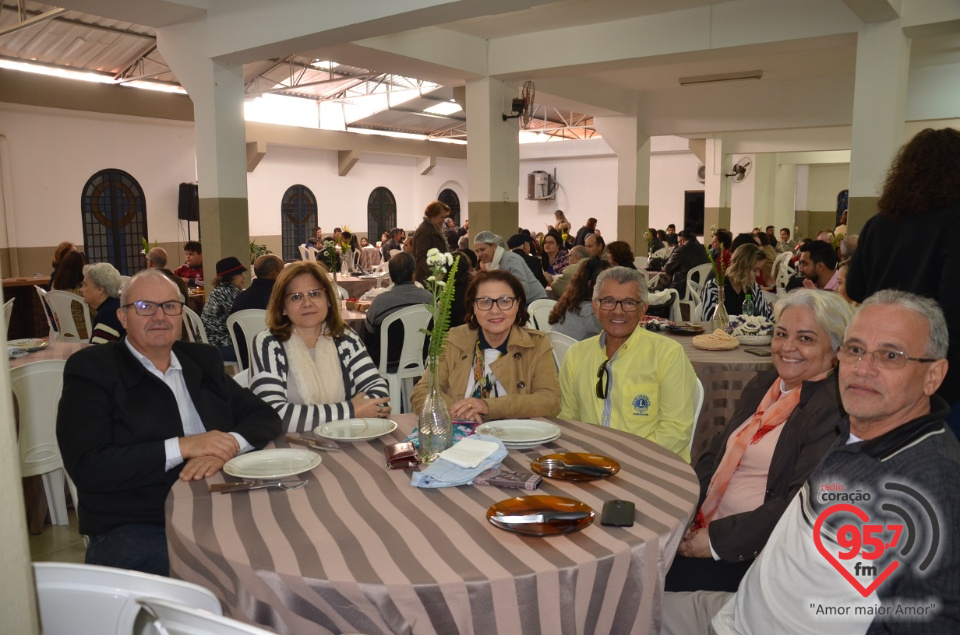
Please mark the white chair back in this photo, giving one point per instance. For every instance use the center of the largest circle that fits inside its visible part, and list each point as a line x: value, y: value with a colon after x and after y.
x: 539, y: 312
x: 663, y: 252
x: 696, y: 278
x: 783, y: 271
x: 662, y: 297
x: 698, y: 400
x: 83, y: 599
x: 410, y: 366
x: 42, y: 293
x: 561, y: 344
x: 196, y: 332
x: 250, y: 322
x: 170, y: 618
x: 7, y: 312
x: 242, y: 377
x: 61, y: 303
x: 344, y: 294
x: 383, y: 281
x: 36, y: 387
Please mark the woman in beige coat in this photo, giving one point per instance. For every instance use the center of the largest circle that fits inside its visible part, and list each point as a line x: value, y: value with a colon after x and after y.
x: 493, y: 367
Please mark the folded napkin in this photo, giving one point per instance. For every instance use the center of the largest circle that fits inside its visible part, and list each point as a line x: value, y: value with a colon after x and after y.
x: 13, y: 351
x: 469, y: 453
x: 446, y: 473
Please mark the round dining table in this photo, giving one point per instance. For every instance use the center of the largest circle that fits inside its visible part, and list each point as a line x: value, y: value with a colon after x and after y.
x: 361, y: 550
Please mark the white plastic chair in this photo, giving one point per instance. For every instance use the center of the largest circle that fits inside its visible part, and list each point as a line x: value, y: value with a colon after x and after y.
x: 170, y: 618
x: 37, y: 388
x: 561, y: 344
x: 54, y: 335
x: 342, y: 292
x: 196, y: 332
x: 242, y: 377
x: 61, y: 303
x: 698, y: 399
x: 7, y: 312
x: 539, y: 313
x: 783, y: 271
x: 662, y: 297
x: 250, y: 322
x: 383, y: 281
x: 410, y: 366
x: 696, y: 278
x: 83, y: 599
x: 663, y: 252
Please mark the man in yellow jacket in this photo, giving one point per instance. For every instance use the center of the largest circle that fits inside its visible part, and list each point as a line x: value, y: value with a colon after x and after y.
x: 629, y: 378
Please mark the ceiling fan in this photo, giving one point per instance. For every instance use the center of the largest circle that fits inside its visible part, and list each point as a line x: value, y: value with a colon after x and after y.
x: 522, y: 106
x: 741, y: 169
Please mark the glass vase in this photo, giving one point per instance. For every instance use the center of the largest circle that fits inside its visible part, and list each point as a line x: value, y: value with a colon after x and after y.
x: 436, y: 424
x: 721, y: 320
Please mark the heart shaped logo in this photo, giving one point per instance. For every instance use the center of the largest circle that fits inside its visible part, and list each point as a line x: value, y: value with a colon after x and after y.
x: 862, y: 515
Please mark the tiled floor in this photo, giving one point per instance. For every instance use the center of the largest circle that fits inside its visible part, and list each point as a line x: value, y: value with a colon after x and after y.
x: 58, y: 543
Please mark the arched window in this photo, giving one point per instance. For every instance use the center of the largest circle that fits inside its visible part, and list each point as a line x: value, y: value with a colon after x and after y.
x: 450, y: 197
x: 298, y: 219
x: 381, y: 213
x: 114, y: 220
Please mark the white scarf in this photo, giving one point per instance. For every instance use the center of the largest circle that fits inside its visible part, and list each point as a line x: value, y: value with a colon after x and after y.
x: 494, y: 263
x: 317, y: 372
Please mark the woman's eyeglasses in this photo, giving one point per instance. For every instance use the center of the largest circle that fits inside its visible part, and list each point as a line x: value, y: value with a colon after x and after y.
x: 313, y: 294
x: 145, y: 308
x: 505, y: 302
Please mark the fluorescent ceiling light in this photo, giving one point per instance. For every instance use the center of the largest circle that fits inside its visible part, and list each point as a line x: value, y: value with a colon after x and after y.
x: 720, y: 77
x: 444, y: 108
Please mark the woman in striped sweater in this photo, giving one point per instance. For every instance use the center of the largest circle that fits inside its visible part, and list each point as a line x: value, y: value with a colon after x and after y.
x: 309, y: 366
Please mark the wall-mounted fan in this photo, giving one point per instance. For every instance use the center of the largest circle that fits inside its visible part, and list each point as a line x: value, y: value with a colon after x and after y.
x: 741, y: 169
x: 522, y: 106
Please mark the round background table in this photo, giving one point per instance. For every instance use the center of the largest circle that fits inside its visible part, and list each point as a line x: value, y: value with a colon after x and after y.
x: 361, y: 550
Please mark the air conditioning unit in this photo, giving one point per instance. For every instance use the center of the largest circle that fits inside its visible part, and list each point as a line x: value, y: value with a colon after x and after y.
x: 541, y: 186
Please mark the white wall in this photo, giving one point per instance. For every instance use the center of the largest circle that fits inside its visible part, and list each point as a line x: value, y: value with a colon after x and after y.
x: 825, y: 182
x: 52, y: 154
x: 671, y: 174
x: 342, y: 200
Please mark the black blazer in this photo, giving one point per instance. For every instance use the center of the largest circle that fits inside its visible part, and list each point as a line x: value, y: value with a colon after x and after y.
x: 807, y: 435
x: 114, y: 417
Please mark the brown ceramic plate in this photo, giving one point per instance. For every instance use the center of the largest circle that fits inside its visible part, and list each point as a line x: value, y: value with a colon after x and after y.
x: 523, y: 505
x: 576, y: 458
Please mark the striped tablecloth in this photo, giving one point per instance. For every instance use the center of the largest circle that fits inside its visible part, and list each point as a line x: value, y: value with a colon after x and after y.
x: 361, y: 550
x: 724, y: 374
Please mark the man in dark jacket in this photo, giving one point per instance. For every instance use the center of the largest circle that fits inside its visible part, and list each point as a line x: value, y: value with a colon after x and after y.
x: 267, y: 269
x: 689, y: 254
x: 520, y: 245
x: 138, y: 414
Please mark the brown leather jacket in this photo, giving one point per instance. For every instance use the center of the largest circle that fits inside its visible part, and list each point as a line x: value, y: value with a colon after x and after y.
x: 527, y: 372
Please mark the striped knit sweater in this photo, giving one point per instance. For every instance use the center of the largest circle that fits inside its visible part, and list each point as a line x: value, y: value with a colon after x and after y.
x: 270, y: 379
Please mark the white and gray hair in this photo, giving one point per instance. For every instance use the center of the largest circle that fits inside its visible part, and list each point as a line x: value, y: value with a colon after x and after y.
x: 831, y: 312
x: 104, y: 275
x: 926, y: 308
x: 622, y: 275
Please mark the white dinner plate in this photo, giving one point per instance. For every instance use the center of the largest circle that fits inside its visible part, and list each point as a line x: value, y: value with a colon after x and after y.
x: 526, y: 445
x: 273, y: 463
x: 520, y: 431
x: 355, y: 429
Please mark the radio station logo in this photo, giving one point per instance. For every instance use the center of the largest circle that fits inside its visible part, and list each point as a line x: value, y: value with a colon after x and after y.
x: 873, y: 548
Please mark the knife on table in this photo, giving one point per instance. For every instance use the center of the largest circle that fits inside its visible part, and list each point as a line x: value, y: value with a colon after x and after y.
x: 246, y: 486
x: 542, y: 517
x: 316, y: 444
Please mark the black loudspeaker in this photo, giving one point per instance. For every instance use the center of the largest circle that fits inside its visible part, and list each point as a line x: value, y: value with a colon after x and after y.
x: 189, y: 207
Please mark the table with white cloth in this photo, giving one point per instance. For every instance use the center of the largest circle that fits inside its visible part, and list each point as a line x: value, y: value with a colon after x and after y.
x: 724, y: 375
x: 361, y: 550
x: 356, y: 286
